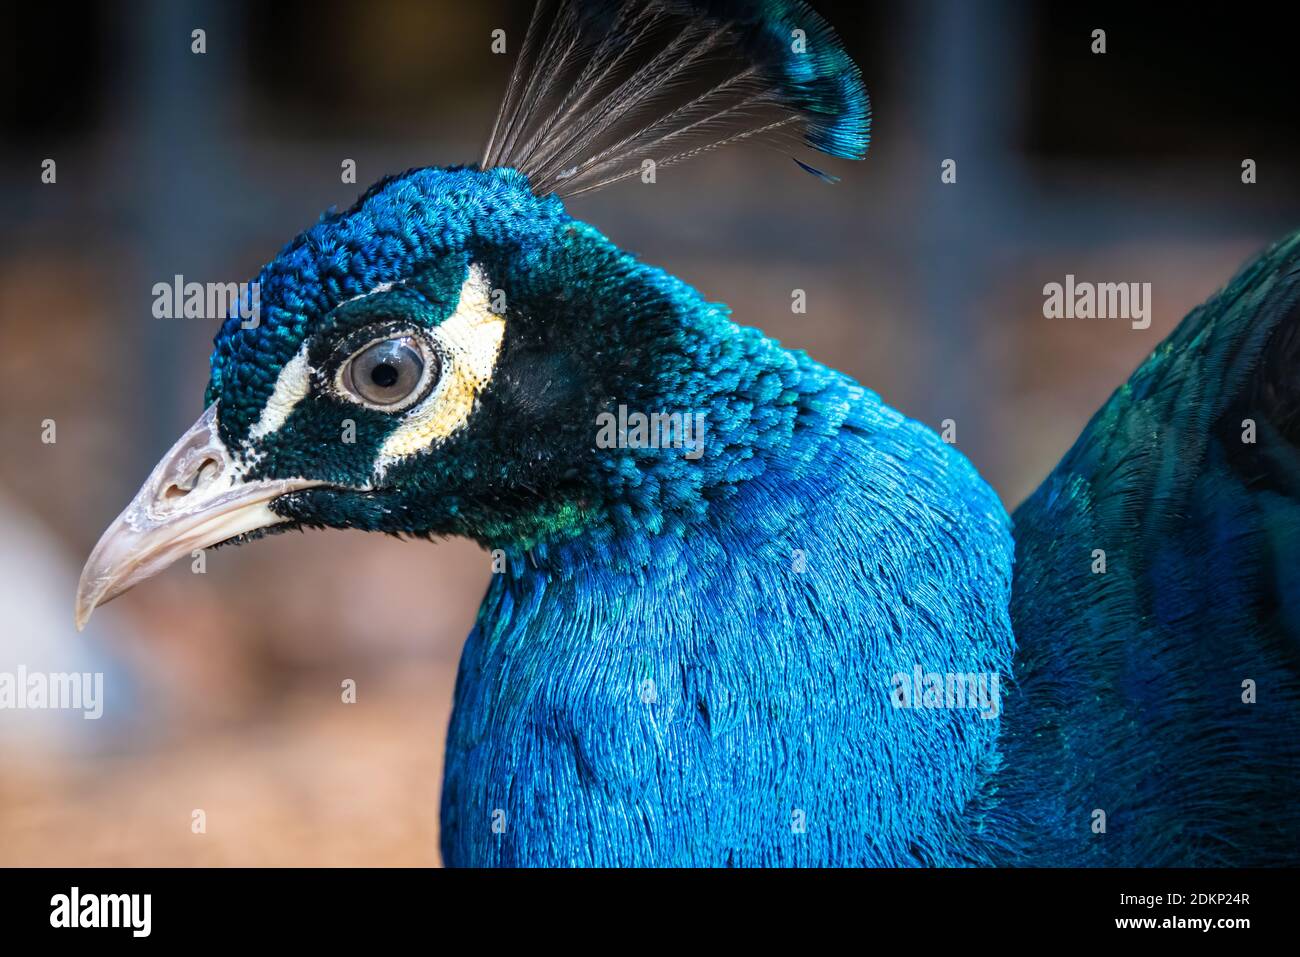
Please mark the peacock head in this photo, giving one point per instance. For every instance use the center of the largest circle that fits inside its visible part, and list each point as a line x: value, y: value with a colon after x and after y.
x: 423, y: 363
x: 435, y: 359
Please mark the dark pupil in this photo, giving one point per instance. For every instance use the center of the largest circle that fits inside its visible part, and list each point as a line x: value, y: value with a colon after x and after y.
x: 387, y: 372
x: 383, y: 375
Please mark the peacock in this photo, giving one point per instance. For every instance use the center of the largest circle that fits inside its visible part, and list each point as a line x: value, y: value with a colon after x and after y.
x: 743, y: 613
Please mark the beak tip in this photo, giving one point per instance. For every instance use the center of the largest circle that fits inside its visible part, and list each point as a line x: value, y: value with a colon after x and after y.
x: 92, y: 591
x: 83, y: 608
x: 156, y: 528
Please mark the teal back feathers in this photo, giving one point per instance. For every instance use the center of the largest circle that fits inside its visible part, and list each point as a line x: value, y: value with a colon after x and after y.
x: 1164, y: 690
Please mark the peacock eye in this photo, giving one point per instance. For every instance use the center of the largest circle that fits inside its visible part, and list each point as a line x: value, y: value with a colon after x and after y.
x: 389, y: 374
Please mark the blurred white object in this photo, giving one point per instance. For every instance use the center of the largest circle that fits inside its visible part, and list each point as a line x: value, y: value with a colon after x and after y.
x: 39, y: 645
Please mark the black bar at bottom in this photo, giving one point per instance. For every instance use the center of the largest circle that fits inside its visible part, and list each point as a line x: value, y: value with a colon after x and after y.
x: 335, y: 906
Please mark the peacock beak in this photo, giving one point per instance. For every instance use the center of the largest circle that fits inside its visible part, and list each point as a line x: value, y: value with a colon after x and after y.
x: 195, y: 497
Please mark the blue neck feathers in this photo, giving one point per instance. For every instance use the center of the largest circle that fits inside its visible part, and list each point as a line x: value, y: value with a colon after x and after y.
x: 673, y: 691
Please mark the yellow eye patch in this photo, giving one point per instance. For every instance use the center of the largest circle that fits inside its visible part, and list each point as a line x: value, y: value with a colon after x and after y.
x: 469, y: 341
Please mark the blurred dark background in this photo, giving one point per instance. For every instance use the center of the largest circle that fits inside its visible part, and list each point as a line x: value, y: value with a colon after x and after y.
x: 223, y: 688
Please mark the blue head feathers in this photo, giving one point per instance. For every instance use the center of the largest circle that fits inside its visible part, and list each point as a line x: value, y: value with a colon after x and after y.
x: 401, y: 226
x: 598, y: 90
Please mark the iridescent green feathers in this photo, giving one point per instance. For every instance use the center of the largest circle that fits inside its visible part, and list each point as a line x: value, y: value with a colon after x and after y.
x: 601, y: 89
x: 1157, y: 587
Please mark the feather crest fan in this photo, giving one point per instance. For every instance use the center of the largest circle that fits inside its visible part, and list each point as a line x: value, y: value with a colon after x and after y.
x: 601, y: 85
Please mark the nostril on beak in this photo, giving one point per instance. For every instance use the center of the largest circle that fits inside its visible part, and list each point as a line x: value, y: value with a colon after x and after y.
x: 208, y: 469
x: 208, y: 472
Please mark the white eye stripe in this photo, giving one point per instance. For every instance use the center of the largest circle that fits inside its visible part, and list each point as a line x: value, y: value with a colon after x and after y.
x: 469, y: 340
x: 291, y: 387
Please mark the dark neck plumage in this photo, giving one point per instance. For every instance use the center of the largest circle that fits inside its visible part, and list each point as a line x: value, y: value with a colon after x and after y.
x: 676, y: 410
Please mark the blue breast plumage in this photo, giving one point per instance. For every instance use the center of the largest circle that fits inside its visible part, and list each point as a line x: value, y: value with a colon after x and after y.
x: 711, y: 683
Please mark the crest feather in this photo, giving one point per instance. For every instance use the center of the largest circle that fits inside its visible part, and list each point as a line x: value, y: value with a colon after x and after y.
x: 601, y: 85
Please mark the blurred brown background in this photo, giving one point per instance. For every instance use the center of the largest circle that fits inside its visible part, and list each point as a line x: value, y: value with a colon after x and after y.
x: 223, y: 689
